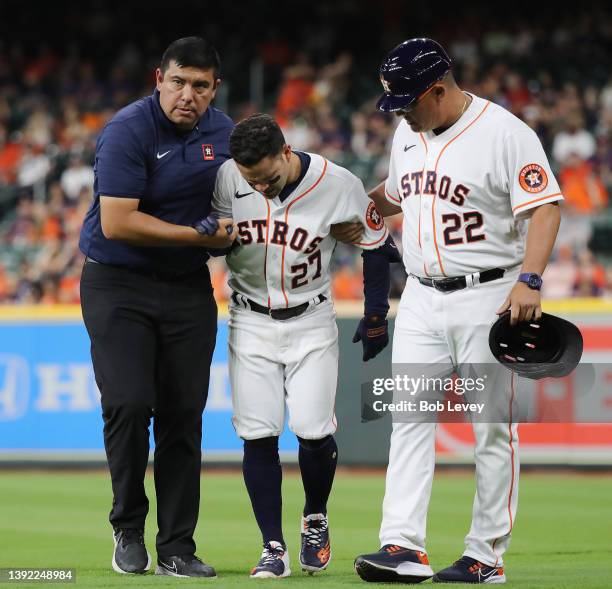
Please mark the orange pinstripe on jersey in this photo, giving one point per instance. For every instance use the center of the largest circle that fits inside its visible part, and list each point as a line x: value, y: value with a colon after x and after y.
x: 420, y: 198
x: 433, y: 204
x: 384, y: 236
x: 266, y: 251
x: 397, y: 200
x: 512, y: 468
x: 526, y: 204
x: 287, y: 222
x: 421, y: 191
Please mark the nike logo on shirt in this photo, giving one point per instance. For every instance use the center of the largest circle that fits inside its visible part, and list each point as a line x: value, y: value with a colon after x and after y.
x: 238, y: 195
x: 407, y: 147
x: 161, y: 155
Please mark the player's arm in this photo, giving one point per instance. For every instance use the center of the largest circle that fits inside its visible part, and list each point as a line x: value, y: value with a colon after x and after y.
x: 372, y: 330
x: 121, y: 220
x: 377, y: 278
x: 382, y: 202
x: 525, y: 303
x: 225, y: 185
x: 351, y: 232
x: 535, y: 193
x: 378, y: 252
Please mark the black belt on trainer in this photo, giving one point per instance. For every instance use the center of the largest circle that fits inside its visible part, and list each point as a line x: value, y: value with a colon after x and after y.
x: 459, y: 282
x: 150, y: 273
x: 280, y: 314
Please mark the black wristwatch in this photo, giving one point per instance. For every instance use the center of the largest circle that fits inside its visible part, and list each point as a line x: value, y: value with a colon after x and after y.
x: 531, y: 279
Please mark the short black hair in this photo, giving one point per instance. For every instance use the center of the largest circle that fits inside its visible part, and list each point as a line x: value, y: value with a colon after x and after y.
x: 255, y: 138
x: 192, y: 52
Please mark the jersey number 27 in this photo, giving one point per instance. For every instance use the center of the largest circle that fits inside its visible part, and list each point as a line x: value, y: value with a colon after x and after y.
x: 300, y: 270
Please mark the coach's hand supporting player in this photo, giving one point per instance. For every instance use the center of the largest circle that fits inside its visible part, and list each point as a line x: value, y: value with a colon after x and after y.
x: 347, y: 232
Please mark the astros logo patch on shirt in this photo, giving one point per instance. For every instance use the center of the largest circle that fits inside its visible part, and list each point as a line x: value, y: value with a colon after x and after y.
x: 373, y: 218
x: 208, y: 152
x: 533, y: 178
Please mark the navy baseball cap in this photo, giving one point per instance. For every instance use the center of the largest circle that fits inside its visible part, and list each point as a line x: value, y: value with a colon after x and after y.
x: 409, y: 70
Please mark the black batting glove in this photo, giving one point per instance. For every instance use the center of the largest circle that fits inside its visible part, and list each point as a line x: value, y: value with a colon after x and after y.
x: 373, y: 333
x: 207, y: 226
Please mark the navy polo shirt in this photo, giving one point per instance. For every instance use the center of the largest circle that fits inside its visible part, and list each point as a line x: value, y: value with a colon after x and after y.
x: 141, y: 154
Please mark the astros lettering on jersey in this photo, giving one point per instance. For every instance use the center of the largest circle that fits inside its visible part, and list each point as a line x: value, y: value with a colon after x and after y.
x: 285, y: 247
x: 464, y: 214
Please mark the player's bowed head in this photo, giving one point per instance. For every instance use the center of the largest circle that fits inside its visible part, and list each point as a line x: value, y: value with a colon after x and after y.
x: 264, y: 159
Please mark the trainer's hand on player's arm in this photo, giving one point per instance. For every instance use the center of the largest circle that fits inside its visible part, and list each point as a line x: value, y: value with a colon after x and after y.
x: 122, y: 220
x: 524, y: 303
x: 373, y: 333
x: 215, y: 233
x: 348, y: 232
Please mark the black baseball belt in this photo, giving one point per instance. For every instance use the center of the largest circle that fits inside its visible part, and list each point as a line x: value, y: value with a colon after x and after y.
x: 458, y: 282
x: 279, y: 314
x: 151, y: 273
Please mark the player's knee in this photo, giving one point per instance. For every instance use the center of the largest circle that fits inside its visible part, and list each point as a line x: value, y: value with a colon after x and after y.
x: 256, y: 429
x: 308, y: 428
x: 269, y: 442
x: 315, y: 444
x: 260, y: 451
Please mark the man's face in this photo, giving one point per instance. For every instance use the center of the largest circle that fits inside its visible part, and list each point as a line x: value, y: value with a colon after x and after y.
x: 421, y: 115
x: 185, y: 93
x: 269, y: 175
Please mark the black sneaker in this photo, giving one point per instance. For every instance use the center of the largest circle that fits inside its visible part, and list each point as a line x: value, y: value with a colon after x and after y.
x: 470, y: 570
x: 393, y: 563
x: 184, y: 565
x: 130, y: 555
x: 315, y: 553
x: 273, y: 564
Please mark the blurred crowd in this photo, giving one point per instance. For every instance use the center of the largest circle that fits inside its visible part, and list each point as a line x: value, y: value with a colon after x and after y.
x: 54, y: 104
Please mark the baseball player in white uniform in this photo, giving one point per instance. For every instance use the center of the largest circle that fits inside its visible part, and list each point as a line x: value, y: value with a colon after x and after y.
x: 467, y: 175
x: 283, y: 338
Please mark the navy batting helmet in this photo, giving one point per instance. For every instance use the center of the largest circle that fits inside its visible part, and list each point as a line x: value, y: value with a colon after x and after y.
x: 550, y: 346
x: 410, y: 69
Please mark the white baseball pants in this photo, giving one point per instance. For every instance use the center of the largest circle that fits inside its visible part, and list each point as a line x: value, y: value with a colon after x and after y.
x: 434, y: 327
x: 275, y: 363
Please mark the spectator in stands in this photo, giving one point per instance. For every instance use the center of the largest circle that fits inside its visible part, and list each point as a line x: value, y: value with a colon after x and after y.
x: 574, y: 139
x: 10, y: 156
x: 76, y: 176
x: 560, y: 275
x: 296, y: 91
x: 34, y: 166
x: 585, y: 196
x: 590, y: 279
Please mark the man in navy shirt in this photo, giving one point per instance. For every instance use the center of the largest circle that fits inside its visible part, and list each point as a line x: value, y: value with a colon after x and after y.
x: 147, y: 300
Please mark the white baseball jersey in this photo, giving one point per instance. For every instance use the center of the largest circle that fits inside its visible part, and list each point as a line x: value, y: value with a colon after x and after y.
x: 467, y: 192
x: 285, y: 247
x: 465, y: 195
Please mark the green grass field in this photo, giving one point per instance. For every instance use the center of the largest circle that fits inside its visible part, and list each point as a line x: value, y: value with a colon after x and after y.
x: 562, y: 537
